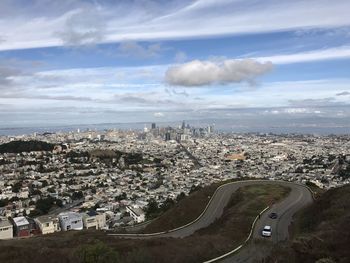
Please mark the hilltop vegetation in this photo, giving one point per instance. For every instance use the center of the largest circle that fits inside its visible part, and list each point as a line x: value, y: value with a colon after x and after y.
x: 25, y: 146
x: 322, y: 231
x: 95, y: 246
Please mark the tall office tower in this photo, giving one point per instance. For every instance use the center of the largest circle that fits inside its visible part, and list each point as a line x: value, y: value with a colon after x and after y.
x: 153, y: 126
x: 183, y: 126
x: 167, y: 136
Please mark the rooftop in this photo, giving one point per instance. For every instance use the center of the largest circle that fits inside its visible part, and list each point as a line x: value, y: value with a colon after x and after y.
x: 4, y: 222
x: 20, y: 221
x: 45, y: 219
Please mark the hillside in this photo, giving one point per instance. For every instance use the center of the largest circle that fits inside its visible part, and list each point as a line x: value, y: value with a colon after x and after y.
x: 25, y: 146
x: 322, y: 231
x: 221, y: 236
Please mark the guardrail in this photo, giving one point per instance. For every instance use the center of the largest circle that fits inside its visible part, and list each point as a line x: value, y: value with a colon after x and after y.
x: 131, y: 228
x: 190, y: 223
x: 240, y: 246
x: 253, y: 226
x: 181, y: 227
x: 311, y: 191
x: 206, y: 208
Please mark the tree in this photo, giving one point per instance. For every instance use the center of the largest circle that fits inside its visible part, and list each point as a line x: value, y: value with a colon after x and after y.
x: 45, y: 204
x: 59, y: 202
x: 97, y: 253
x: 77, y: 195
x: 51, y: 190
x: 45, y: 183
x: 139, y: 256
x: 16, y: 187
x: 310, y: 184
x: 34, y: 213
x: 167, y: 204
x: 195, y: 188
x: 181, y: 196
x: 122, y: 196
x: 35, y: 192
x: 4, y: 202
x: 152, y: 208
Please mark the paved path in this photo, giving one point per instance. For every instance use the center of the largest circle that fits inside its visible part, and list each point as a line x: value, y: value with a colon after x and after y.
x: 259, y: 247
x: 66, y: 207
x: 298, y: 198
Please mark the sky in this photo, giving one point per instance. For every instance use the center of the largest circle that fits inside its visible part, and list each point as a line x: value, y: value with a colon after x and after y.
x: 101, y: 61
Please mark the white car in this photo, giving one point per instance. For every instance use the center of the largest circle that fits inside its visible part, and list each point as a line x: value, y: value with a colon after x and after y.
x: 266, y: 232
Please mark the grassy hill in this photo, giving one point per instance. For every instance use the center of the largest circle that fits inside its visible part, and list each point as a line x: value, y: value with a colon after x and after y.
x: 322, y: 231
x: 95, y: 246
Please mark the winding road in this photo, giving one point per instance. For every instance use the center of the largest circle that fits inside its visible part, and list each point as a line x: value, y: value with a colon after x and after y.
x: 299, y: 197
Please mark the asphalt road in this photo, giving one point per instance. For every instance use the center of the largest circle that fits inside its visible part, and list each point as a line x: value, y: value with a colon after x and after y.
x: 66, y: 207
x: 299, y: 197
x: 259, y: 246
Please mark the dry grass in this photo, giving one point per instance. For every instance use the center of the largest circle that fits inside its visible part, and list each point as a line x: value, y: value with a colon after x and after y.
x: 184, y: 212
x: 218, y: 238
x: 322, y: 231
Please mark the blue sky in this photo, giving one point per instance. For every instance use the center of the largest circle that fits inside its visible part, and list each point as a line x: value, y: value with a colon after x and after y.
x: 76, y: 61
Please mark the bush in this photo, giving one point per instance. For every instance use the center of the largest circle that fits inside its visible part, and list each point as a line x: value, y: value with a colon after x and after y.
x: 44, y: 205
x: 77, y: 195
x: 97, y: 253
x: 139, y: 256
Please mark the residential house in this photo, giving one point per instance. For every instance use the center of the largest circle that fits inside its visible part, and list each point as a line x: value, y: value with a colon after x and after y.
x: 89, y: 220
x: 136, y: 213
x: 6, y: 228
x: 94, y: 220
x: 70, y: 221
x: 101, y: 220
x: 33, y: 227
x: 21, y: 226
x: 47, y: 224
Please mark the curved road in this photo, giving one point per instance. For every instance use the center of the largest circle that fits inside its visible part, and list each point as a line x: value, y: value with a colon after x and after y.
x: 259, y: 247
x: 299, y: 197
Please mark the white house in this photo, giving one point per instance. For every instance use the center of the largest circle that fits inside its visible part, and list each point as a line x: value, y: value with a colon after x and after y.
x: 6, y: 228
x: 94, y: 220
x: 47, y: 224
x: 136, y: 213
x: 70, y: 221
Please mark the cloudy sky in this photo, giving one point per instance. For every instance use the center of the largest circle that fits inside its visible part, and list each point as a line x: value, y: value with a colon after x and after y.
x: 98, y: 61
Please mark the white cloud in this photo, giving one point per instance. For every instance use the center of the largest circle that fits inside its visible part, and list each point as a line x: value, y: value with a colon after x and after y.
x: 201, y: 73
x: 83, y: 27
x: 343, y: 93
x: 342, y: 52
x: 292, y: 111
x: 159, y: 114
x: 180, y: 57
x: 134, y: 49
x: 37, y: 25
x: 102, y: 87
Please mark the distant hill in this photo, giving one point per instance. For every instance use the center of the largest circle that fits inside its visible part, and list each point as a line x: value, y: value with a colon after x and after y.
x: 25, y: 146
x: 322, y: 231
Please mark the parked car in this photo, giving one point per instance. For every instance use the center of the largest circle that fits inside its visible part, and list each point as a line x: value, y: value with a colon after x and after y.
x: 266, y: 232
x: 273, y: 215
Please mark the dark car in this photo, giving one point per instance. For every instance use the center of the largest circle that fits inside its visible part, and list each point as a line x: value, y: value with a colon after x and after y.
x: 273, y: 215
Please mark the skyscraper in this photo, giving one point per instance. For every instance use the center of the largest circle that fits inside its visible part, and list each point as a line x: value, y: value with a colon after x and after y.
x: 167, y: 136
